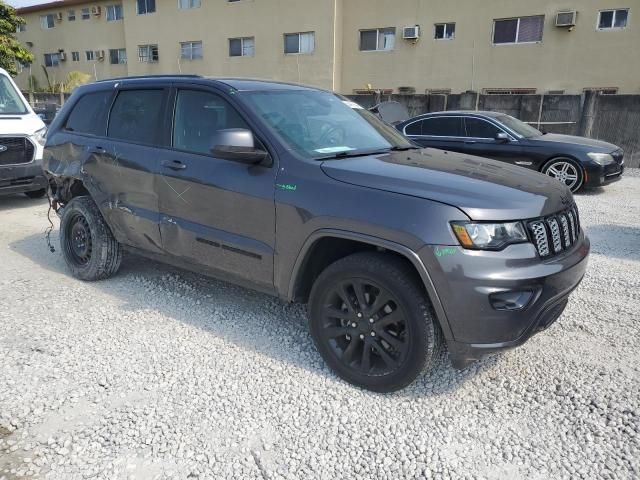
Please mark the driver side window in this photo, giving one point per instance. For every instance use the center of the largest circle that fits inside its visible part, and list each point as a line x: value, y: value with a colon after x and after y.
x: 478, y: 128
x: 198, y: 115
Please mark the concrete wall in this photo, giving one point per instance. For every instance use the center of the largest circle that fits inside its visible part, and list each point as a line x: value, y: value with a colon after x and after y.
x: 612, y: 118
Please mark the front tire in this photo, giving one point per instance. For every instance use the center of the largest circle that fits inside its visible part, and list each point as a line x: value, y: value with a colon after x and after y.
x: 371, y: 321
x: 567, y: 171
x: 88, y: 246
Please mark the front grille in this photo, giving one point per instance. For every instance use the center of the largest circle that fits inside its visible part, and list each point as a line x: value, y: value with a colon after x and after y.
x: 555, y: 234
x: 15, y: 150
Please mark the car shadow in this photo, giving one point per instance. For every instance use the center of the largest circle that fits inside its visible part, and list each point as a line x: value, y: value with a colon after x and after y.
x: 618, y: 241
x: 590, y: 192
x: 20, y: 200
x: 206, y: 303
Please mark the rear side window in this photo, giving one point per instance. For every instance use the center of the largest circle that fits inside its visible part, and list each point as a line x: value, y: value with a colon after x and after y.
x: 443, y: 127
x: 89, y: 115
x: 414, y: 129
x: 478, y: 128
x: 136, y: 116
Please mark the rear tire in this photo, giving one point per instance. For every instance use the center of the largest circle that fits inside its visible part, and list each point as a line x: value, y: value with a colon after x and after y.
x: 36, y: 193
x: 567, y: 171
x: 88, y: 246
x: 372, y: 322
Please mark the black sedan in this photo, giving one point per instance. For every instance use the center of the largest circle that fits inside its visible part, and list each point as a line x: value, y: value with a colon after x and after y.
x: 576, y: 161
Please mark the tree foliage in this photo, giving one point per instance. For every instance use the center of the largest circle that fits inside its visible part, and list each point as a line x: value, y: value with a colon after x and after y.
x: 10, y: 49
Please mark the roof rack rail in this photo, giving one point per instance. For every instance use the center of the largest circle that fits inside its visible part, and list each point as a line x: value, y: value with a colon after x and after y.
x: 137, y: 77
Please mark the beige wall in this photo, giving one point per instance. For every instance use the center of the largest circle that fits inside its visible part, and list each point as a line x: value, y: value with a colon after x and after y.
x: 79, y: 35
x: 564, y: 60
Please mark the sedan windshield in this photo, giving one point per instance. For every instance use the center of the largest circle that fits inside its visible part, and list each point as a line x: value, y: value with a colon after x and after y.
x: 521, y: 128
x: 323, y: 125
x: 10, y: 101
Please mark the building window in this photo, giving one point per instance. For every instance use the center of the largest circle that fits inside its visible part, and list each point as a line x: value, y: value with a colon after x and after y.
x: 117, y: 56
x: 47, y: 21
x: 71, y: 15
x: 613, y: 19
x: 191, y: 50
x: 114, y: 12
x: 188, y: 4
x: 21, y: 28
x: 380, y: 39
x: 518, y: 30
x: 242, y: 47
x: 148, y: 53
x: 145, y: 6
x: 75, y: 56
x: 509, y: 91
x: 86, y: 14
x: 445, y: 31
x: 299, y: 42
x: 51, y: 59
x: 90, y: 55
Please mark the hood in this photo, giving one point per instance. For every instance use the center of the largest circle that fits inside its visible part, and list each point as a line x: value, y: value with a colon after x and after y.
x: 25, y: 124
x: 483, y: 189
x: 588, y: 143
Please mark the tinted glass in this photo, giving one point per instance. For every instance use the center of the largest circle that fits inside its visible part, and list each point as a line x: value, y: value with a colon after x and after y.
x: 322, y: 124
x: 414, y: 129
x: 621, y: 19
x: 292, y: 43
x: 136, y: 116
x: 606, y: 19
x: 479, y: 128
x: 235, y: 47
x: 89, y: 115
x: 443, y: 127
x: 369, y: 40
x: 198, y: 115
x: 505, y: 31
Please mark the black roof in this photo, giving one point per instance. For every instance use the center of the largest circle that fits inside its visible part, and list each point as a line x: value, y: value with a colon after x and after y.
x: 239, y: 84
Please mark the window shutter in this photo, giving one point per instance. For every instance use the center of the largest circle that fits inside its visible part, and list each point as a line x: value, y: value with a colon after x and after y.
x: 531, y: 29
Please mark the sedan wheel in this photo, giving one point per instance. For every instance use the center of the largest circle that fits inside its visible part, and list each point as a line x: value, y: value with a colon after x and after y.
x: 565, y: 171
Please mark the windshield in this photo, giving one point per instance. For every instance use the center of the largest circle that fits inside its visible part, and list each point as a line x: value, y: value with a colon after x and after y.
x: 521, y: 128
x: 10, y: 101
x: 321, y: 124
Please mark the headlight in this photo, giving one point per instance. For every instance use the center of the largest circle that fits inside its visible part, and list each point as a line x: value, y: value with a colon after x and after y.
x: 489, y: 236
x: 601, y: 158
x: 40, y: 136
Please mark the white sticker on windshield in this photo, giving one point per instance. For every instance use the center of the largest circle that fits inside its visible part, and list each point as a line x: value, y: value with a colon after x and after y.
x: 353, y: 105
x: 334, y: 149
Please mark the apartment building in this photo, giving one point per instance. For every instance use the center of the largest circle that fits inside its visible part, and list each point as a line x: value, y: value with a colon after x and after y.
x: 495, y: 46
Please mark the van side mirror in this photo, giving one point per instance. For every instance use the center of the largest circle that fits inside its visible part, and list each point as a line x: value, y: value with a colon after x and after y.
x: 502, y: 137
x: 238, y: 145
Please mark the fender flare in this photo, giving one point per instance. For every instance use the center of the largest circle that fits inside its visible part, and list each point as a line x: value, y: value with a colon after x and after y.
x: 400, y: 249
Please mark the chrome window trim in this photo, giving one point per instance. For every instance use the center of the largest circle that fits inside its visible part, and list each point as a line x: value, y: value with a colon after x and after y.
x: 512, y: 135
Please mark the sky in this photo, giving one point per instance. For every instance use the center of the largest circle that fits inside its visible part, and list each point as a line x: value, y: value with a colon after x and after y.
x: 24, y: 3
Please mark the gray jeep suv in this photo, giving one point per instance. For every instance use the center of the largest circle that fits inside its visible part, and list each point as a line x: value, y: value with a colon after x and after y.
x: 399, y: 251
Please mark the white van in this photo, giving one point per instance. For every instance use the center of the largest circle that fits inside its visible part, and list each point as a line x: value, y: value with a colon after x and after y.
x: 22, y: 136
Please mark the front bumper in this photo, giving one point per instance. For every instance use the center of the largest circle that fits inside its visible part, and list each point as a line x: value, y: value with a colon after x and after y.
x: 599, y: 175
x: 464, y: 281
x: 22, y: 178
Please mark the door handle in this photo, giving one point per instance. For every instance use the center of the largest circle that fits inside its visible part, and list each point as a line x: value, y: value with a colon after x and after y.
x: 97, y: 150
x: 174, y: 164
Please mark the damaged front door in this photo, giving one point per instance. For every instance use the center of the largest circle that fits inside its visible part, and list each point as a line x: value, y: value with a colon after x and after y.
x: 216, y: 213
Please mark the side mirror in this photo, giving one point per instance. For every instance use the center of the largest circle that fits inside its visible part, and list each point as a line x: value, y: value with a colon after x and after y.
x: 502, y: 137
x: 236, y: 144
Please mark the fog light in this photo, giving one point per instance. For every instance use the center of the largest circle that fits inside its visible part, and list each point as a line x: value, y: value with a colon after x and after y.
x: 510, y: 300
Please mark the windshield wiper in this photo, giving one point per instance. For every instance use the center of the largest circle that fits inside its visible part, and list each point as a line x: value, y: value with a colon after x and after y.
x: 351, y: 153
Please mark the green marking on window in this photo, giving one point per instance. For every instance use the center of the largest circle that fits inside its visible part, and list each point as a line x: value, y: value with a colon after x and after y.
x: 290, y: 187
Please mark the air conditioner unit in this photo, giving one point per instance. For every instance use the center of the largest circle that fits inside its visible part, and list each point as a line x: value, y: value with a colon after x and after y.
x: 59, y: 16
x: 62, y: 56
x: 96, y: 10
x: 566, y: 19
x: 411, y: 33
x: 99, y: 54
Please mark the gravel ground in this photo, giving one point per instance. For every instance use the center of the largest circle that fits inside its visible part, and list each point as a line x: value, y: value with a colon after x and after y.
x: 159, y: 373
